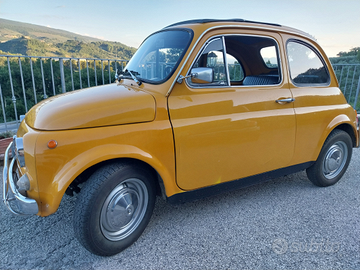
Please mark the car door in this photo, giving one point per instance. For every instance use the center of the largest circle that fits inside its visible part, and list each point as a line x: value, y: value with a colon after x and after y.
x: 240, y: 124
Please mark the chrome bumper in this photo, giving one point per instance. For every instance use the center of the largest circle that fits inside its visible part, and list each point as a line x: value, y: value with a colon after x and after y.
x: 14, y: 201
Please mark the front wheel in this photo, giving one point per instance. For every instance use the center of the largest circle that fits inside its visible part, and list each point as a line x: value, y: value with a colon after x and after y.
x: 113, y: 208
x: 333, y: 160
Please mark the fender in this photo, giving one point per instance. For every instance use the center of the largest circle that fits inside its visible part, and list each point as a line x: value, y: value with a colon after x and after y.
x: 51, y: 195
x: 339, y: 120
x: 78, y: 150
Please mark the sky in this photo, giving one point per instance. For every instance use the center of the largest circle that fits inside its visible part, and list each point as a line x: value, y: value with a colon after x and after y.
x: 334, y: 23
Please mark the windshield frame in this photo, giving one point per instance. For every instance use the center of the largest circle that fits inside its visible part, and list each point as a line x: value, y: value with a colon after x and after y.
x: 175, y: 67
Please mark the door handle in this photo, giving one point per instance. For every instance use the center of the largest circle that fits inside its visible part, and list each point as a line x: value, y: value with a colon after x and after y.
x: 285, y: 100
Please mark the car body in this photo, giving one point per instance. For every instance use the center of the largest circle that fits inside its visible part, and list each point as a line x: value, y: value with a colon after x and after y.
x: 203, y: 106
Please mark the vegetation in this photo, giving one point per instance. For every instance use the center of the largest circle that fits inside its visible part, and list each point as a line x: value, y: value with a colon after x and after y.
x: 49, y: 85
x: 34, y: 40
x: 70, y: 48
x: 6, y: 134
x: 350, y: 57
x: 348, y: 73
x: 12, y: 30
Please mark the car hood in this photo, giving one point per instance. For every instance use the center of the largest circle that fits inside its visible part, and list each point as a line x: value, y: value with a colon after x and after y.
x: 106, y: 105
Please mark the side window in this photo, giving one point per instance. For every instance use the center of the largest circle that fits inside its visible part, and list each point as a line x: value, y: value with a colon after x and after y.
x: 269, y: 56
x: 212, y: 57
x: 257, y: 58
x: 305, y: 65
x: 245, y: 60
x: 236, y: 72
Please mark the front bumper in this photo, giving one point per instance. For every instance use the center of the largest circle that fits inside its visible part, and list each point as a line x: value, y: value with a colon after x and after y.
x: 14, y: 201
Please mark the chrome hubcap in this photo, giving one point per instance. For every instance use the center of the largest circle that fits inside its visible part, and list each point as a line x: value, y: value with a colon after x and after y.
x: 335, y: 160
x: 124, y: 209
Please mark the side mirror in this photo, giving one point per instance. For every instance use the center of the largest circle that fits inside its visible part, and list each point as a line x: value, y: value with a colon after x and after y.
x: 202, y: 75
x: 199, y: 75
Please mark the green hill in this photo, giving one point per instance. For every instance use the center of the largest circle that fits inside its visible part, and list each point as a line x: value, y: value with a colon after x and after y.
x: 12, y: 29
x: 34, y: 40
x: 350, y: 57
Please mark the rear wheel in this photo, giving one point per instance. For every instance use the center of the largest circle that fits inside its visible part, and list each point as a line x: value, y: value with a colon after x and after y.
x: 333, y: 160
x: 114, y: 207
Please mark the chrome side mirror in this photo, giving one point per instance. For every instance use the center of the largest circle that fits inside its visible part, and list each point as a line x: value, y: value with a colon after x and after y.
x: 202, y: 75
x: 199, y: 75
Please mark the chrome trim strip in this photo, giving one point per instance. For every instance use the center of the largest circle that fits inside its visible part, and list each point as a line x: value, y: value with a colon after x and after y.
x: 24, y: 205
x: 225, y: 62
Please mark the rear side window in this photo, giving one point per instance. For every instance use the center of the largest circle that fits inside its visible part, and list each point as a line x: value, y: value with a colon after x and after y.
x: 306, y: 66
x: 269, y: 55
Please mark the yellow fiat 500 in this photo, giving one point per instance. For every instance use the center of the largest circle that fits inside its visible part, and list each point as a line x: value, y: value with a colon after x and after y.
x: 203, y: 106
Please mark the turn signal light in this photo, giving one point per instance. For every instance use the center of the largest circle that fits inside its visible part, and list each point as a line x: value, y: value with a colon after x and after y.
x: 52, y: 144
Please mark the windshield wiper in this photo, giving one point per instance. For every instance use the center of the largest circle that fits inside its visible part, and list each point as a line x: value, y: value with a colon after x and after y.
x: 134, y: 77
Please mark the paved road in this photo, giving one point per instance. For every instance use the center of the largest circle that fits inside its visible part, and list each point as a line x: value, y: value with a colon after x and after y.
x: 286, y: 223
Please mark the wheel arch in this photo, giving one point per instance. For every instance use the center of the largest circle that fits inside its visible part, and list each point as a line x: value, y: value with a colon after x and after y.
x: 80, y: 167
x: 349, y: 130
x: 345, y: 123
x: 341, y: 122
x: 83, y: 176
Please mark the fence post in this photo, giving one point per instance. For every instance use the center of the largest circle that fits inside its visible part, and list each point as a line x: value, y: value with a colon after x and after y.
x: 95, y: 72
x: 102, y: 71
x: 33, y: 79
x: 43, y: 78
x: 87, y: 72
x: 357, y: 93
x: 13, y: 98
x: 52, y: 75
x: 72, y: 75
x: 79, y: 73
x: 62, y: 76
x: 109, y: 71
x: 3, y: 108
x: 23, y: 85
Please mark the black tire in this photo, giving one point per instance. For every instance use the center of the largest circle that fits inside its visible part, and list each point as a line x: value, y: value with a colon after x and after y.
x: 114, y: 207
x: 333, y: 160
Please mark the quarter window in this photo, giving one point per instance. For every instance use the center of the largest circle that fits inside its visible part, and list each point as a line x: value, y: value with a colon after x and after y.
x: 213, y: 57
x: 306, y: 67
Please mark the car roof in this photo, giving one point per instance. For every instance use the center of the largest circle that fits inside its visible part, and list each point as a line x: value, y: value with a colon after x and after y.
x: 218, y: 20
x: 238, y: 22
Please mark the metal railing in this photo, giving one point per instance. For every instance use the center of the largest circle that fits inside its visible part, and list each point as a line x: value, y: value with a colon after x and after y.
x: 348, y: 76
x: 25, y: 80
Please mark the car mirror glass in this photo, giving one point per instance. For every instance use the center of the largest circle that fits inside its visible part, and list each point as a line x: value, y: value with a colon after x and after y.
x: 202, y: 75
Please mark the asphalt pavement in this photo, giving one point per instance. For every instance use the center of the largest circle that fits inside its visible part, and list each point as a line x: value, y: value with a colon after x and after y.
x: 286, y: 223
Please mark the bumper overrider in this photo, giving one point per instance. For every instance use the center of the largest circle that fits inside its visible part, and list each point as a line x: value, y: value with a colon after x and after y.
x: 16, y: 202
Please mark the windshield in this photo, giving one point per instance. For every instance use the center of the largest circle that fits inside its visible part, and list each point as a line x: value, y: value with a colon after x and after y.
x: 158, y: 56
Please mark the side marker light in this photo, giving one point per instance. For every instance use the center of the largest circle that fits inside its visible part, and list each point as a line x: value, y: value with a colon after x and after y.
x: 52, y: 144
